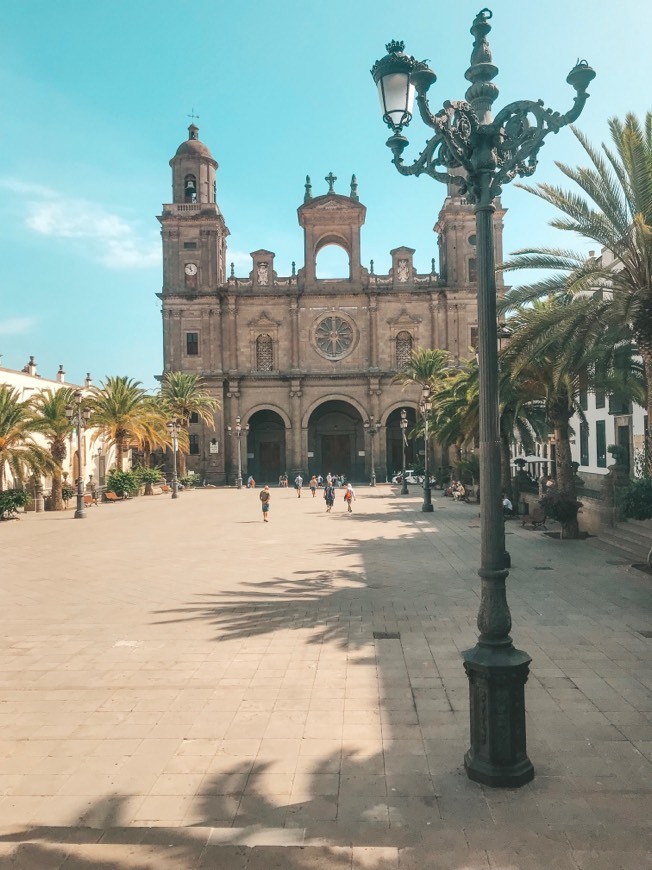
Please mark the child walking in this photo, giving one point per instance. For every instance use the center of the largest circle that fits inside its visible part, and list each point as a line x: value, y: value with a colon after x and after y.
x: 265, y: 496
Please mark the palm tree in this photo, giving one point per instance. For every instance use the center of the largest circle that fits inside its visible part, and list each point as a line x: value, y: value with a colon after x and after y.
x: 549, y: 361
x: 614, y: 209
x: 19, y: 453
x: 50, y: 420
x: 182, y: 395
x: 456, y: 414
x: 120, y: 412
x: 427, y: 368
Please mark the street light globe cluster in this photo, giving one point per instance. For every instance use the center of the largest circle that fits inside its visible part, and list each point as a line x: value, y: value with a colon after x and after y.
x: 477, y: 154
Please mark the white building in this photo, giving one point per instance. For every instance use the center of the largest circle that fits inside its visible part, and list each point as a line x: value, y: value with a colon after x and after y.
x: 97, y: 455
x: 609, y: 421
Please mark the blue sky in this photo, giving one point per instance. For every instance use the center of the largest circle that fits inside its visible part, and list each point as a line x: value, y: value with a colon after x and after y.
x: 95, y: 98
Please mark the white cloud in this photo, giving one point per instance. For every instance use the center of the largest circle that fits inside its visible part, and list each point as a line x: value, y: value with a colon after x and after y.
x: 111, y: 240
x: 16, y: 325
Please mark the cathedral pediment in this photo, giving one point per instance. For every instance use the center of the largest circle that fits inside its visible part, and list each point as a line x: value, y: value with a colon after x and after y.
x: 264, y: 321
x: 404, y: 319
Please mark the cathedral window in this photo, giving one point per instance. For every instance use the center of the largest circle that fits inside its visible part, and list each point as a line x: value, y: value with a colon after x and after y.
x: 472, y: 270
x: 193, y: 441
x: 403, y: 349
x: 190, y: 246
x: 192, y: 344
x: 194, y: 417
x: 264, y: 353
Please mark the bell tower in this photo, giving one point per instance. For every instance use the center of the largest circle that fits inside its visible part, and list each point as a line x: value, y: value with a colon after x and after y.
x: 192, y: 226
x: 457, y: 242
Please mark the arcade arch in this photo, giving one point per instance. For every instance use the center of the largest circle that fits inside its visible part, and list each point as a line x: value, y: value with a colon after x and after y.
x: 266, y: 457
x: 394, y: 441
x: 336, y: 440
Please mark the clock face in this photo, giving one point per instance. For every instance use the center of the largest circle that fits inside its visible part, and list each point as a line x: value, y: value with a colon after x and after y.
x: 190, y: 269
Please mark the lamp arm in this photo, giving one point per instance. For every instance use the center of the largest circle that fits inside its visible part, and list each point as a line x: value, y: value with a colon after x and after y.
x: 426, y: 163
x: 520, y: 129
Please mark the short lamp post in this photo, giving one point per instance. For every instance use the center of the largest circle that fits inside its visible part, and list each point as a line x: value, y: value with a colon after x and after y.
x: 79, y: 417
x: 477, y: 154
x: 174, y: 427
x: 425, y: 407
x: 238, y: 431
x: 404, y: 425
x: 372, y: 427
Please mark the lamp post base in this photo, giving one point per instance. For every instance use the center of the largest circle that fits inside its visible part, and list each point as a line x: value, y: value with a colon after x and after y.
x: 404, y: 488
x: 427, y: 507
x: 238, y: 483
x: 80, y: 514
x: 498, y: 755
x: 372, y: 482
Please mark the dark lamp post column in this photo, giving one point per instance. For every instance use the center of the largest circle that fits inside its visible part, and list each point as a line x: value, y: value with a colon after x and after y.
x: 173, y: 428
x: 478, y: 154
x: 404, y: 425
x: 238, y: 431
x: 372, y: 427
x: 425, y: 407
x: 80, y: 417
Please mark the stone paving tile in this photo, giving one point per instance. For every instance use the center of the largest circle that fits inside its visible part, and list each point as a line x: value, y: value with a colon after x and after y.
x: 131, y: 699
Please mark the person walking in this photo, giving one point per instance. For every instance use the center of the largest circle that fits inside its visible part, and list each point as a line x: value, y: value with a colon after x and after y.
x: 329, y: 497
x: 313, y: 485
x: 265, y: 496
x: 349, y: 497
x: 298, y: 483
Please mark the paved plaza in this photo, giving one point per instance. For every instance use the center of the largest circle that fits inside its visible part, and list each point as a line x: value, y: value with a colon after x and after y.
x: 184, y: 686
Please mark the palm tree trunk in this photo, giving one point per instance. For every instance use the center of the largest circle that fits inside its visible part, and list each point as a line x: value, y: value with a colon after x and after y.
x: 565, y: 477
x: 181, y: 459
x: 55, y: 494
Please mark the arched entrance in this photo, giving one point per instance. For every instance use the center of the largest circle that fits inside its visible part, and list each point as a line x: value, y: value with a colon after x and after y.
x: 336, y: 440
x: 265, y: 458
x: 394, y: 442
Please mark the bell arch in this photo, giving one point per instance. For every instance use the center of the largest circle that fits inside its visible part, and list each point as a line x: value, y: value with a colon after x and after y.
x: 331, y: 219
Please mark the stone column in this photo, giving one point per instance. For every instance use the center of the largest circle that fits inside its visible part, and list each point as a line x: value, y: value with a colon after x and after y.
x: 296, y: 457
x: 434, y: 323
x: 294, y: 334
x: 373, y: 332
x: 232, y: 348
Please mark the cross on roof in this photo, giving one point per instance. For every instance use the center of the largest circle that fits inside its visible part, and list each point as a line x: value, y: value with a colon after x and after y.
x: 331, y: 179
x: 192, y: 114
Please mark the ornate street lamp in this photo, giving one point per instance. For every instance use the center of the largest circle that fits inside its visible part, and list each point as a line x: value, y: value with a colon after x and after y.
x: 372, y: 427
x: 79, y: 416
x: 174, y: 427
x: 404, y: 425
x: 478, y: 154
x: 238, y: 431
x: 425, y: 406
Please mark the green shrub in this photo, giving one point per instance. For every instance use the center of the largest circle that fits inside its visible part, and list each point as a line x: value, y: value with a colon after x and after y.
x: 637, y: 499
x: 123, y: 483
x: 190, y: 479
x: 560, y: 507
x: 12, y: 499
x: 149, y: 475
x: 67, y: 492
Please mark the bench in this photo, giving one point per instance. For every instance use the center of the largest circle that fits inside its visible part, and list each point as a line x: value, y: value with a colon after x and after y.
x: 165, y: 488
x: 90, y: 499
x: 537, y: 519
x: 111, y: 496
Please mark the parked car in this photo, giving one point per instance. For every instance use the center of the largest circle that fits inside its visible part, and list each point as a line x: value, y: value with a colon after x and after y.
x: 410, y: 476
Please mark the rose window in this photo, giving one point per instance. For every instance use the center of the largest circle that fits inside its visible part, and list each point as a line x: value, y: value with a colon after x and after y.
x: 334, y: 336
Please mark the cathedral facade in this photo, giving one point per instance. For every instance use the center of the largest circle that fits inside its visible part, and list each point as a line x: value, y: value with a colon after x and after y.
x: 306, y: 365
